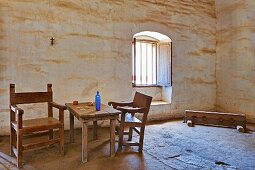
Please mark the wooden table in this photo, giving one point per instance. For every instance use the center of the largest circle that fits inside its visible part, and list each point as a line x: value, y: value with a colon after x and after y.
x: 85, y: 113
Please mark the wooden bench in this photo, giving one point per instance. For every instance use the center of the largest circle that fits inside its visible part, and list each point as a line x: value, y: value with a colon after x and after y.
x: 216, y: 119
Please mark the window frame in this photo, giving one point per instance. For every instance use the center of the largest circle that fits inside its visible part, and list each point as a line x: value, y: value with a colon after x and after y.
x: 134, y: 63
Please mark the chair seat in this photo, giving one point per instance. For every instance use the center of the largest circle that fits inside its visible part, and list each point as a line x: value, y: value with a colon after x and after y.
x: 39, y: 124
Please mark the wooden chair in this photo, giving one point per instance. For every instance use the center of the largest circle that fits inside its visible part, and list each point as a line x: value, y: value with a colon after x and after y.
x: 20, y: 127
x: 140, y: 104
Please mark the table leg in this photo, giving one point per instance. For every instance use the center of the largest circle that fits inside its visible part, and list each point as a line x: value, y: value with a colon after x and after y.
x: 94, y: 130
x: 84, y: 156
x: 112, y: 137
x: 71, y: 128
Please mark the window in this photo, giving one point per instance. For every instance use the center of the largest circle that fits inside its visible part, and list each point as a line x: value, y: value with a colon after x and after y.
x: 145, y: 62
x: 151, y: 60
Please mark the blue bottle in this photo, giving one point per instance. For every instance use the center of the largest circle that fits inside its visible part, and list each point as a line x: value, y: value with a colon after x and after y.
x: 98, y: 101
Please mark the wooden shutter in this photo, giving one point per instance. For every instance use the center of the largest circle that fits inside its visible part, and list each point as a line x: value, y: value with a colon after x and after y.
x: 164, y: 64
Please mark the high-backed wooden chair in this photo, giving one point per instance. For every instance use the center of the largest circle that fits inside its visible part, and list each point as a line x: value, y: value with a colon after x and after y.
x: 20, y: 127
x: 140, y: 104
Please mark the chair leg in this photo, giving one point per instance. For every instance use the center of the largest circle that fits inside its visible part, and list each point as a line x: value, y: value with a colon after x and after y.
x: 141, y: 139
x: 12, y: 141
x: 62, y: 140
x: 130, y: 134
x: 19, y: 149
x: 121, y: 133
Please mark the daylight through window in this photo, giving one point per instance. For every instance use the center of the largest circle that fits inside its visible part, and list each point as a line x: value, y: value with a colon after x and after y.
x: 151, y: 59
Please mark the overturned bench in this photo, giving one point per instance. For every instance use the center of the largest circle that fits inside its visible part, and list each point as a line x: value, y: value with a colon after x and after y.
x: 232, y: 120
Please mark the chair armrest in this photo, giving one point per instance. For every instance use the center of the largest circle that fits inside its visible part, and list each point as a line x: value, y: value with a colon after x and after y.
x: 61, y: 110
x: 16, y: 109
x: 116, y: 104
x: 19, y: 112
x: 132, y: 110
x: 58, y: 106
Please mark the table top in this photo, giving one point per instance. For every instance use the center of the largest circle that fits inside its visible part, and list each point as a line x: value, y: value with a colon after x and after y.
x: 88, y: 110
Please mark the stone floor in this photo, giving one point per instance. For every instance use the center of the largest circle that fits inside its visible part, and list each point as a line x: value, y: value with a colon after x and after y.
x: 168, y: 145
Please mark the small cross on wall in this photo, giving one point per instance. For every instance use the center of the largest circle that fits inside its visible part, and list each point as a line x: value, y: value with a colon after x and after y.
x: 52, y: 41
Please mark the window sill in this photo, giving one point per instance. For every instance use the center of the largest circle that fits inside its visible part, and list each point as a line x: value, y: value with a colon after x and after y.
x: 159, y: 103
x: 152, y: 85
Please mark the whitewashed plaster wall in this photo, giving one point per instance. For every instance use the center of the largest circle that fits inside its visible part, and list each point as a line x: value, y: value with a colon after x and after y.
x: 92, y: 50
x: 236, y: 57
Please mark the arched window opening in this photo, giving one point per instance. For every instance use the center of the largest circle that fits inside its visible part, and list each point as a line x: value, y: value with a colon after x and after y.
x: 151, y: 59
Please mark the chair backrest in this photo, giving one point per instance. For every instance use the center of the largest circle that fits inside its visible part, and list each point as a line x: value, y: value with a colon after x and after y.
x: 142, y: 101
x: 30, y: 97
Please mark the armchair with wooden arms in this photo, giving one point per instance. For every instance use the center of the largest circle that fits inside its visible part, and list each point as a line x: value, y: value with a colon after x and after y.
x: 20, y: 127
x: 140, y: 104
